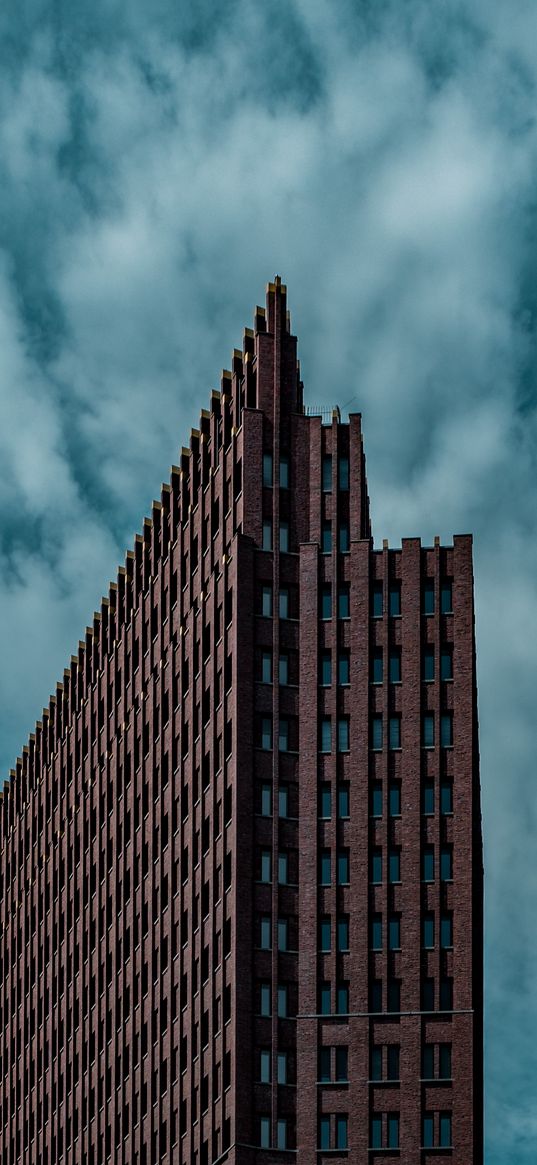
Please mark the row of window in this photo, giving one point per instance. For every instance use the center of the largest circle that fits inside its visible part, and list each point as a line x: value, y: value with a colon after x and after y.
x: 326, y: 472
x: 333, y: 999
x: 339, y: 931
x: 343, y: 599
x: 333, y: 1131
x: 393, y: 932
x: 427, y: 867
x: 288, y: 732
x: 265, y: 669
x: 340, y: 800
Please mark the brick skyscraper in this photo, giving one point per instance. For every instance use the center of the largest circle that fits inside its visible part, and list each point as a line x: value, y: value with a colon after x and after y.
x: 241, y: 913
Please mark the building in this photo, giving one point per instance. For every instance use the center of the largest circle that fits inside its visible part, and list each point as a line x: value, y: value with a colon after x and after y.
x: 241, y: 912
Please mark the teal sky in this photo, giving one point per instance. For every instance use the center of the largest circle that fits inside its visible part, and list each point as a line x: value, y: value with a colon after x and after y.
x: 159, y: 162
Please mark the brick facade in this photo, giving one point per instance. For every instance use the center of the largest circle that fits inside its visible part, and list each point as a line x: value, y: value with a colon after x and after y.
x: 241, y: 912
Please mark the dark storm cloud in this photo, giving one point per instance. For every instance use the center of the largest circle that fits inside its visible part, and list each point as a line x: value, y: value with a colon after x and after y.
x: 158, y: 164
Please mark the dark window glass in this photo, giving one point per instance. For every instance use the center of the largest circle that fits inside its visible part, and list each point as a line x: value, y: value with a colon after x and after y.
x: 325, y: 801
x: 344, y: 538
x: 376, y: 732
x: 284, y: 602
x: 427, y: 1062
x: 326, y: 734
x: 395, y: 600
x: 446, y: 994
x: 376, y: 995
x: 393, y: 1061
x: 376, y: 1063
x: 343, y: 868
x: 342, y: 1056
x: 395, y: 731
x: 342, y: 999
x: 341, y: 1132
x: 267, y: 469
x: 428, y: 730
x: 395, y: 799
x: 283, y: 801
x: 377, y: 665
x: 378, y: 601
x: 375, y: 1136
x: 444, y: 1061
x: 428, y: 662
x: 428, y: 798
x: 428, y: 597
x: 428, y: 931
x: 343, y: 676
x: 266, y: 601
x: 376, y: 867
x: 446, y: 864
x: 344, y: 601
x: 376, y: 932
x: 446, y: 730
x: 324, y: 1132
x: 427, y: 995
x: 393, y: 1131
x: 327, y: 474
x: 326, y: 537
x: 325, y: 934
x: 284, y: 471
x: 394, y: 933
x: 343, y: 800
x: 326, y: 602
x: 395, y: 667
x: 446, y: 664
x: 266, y: 667
x: 428, y: 864
x: 446, y: 798
x: 324, y: 999
x: 343, y: 734
x: 446, y: 597
x: 376, y: 799
x: 395, y: 865
x: 394, y: 995
x: 445, y: 1130
x: 326, y: 668
x: 325, y: 867
x: 343, y: 934
x: 428, y: 1130
x: 324, y: 1065
x: 446, y: 932
x: 344, y: 473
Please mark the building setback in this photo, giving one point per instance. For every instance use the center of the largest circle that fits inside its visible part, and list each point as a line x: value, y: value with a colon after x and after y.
x: 241, y: 896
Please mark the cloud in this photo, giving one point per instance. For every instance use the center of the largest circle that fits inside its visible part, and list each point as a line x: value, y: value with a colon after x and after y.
x: 159, y: 163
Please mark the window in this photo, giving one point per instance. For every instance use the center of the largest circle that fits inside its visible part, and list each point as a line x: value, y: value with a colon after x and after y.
x: 342, y: 1058
x: 378, y: 600
x: 427, y: 1062
x: 445, y: 1130
x: 264, y: 1132
x: 267, y: 470
x: 375, y: 1068
x: 444, y: 1061
x: 428, y: 663
x: 376, y: 732
x: 344, y: 538
x: 394, y: 995
x: 428, y: 596
x: 395, y: 865
x: 284, y: 537
x: 266, y: 667
x: 378, y: 670
x: 266, y: 865
x: 344, y: 473
x: 394, y: 933
x: 446, y: 994
x: 393, y: 1131
x: 343, y: 868
x: 395, y: 599
x: 325, y: 867
x: 341, y: 1132
x: 446, y: 797
x: 266, y: 733
x: 283, y: 934
x: 326, y: 669
x: 265, y: 999
x: 343, y: 800
x: 325, y: 801
x: 343, y: 669
x: 446, y: 863
x: 325, y: 1003
x: 375, y: 1135
x: 266, y: 601
x: 394, y: 795
x: 281, y: 1067
x: 428, y: 931
x: 327, y: 474
x: 344, y: 601
x: 326, y: 602
x: 392, y: 1061
x: 326, y: 734
x: 427, y: 1134
x: 324, y: 1066
x: 282, y: 1001
x: 281, y: 1132
x: 266, y: 800
x: 284, y: 602
x: 324, y: 1132
x: 342, y: 999
x: 446, y: 597
x: 395, y: 731
x: 284, y: 471
x: 343, y: 934
x: 326, y: 537
x: 283, y: 669
x: 428, y: 730
x: 446, y: 730
x: 427, y: 995
x: 376, y: 799
x: 283, y: 735
x: 375, y: 996
x: 265, y: 1066
x: 283, y: 801
x: 265, y: 934
x: 376, y: 867
x: 267, y: 534
x: 428, y: 864
x: 446, y: 932
x: 283, y: 869
x: 343, y: 734
x: 376, y: 932
x: 428, y: 798
x: 395, y: 667
x: 325, y: 935
x: 446, y: 664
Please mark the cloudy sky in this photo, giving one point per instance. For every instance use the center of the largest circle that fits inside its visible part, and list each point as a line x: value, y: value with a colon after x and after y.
x: 159, y: 163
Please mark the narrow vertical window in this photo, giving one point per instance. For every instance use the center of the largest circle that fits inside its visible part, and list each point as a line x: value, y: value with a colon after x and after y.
x: 325, y: 801
x: 446, y: 730
x: 395, y: 599
x: 283, y: 736
x: 283, y: 669
x: 341, y: 1132
x: 266, y: 733
x: 378, y: 600
x: 284, y: 471
x: 344, y: 538
x: 428, y: 663
x: 343, y: 800
x: 326, y: 668
x: 284, y: 603
x: 344, y: 601
x: 327, y: 474
x: 343, y: 668
x: 446, y: 597
x: 267, y: 534
x: 267, y: 470
x: 264, y: 1066
x: 266, y: 601
x: 378, y: 669
x: 428, y: 596
x: 446, y: 664
x: 376, y: 732
x: 266, y: 667
x: 326, y: 734
x: 428, y: 730
x: 395, y: 667
x: 326, y: 601
x: 376, y: 867
x: 395, y: 732
x: 326, y: 537
x: 445, y: 1130
x: 344, y: 473
x: 343, y: 734
x: 284, y: 537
